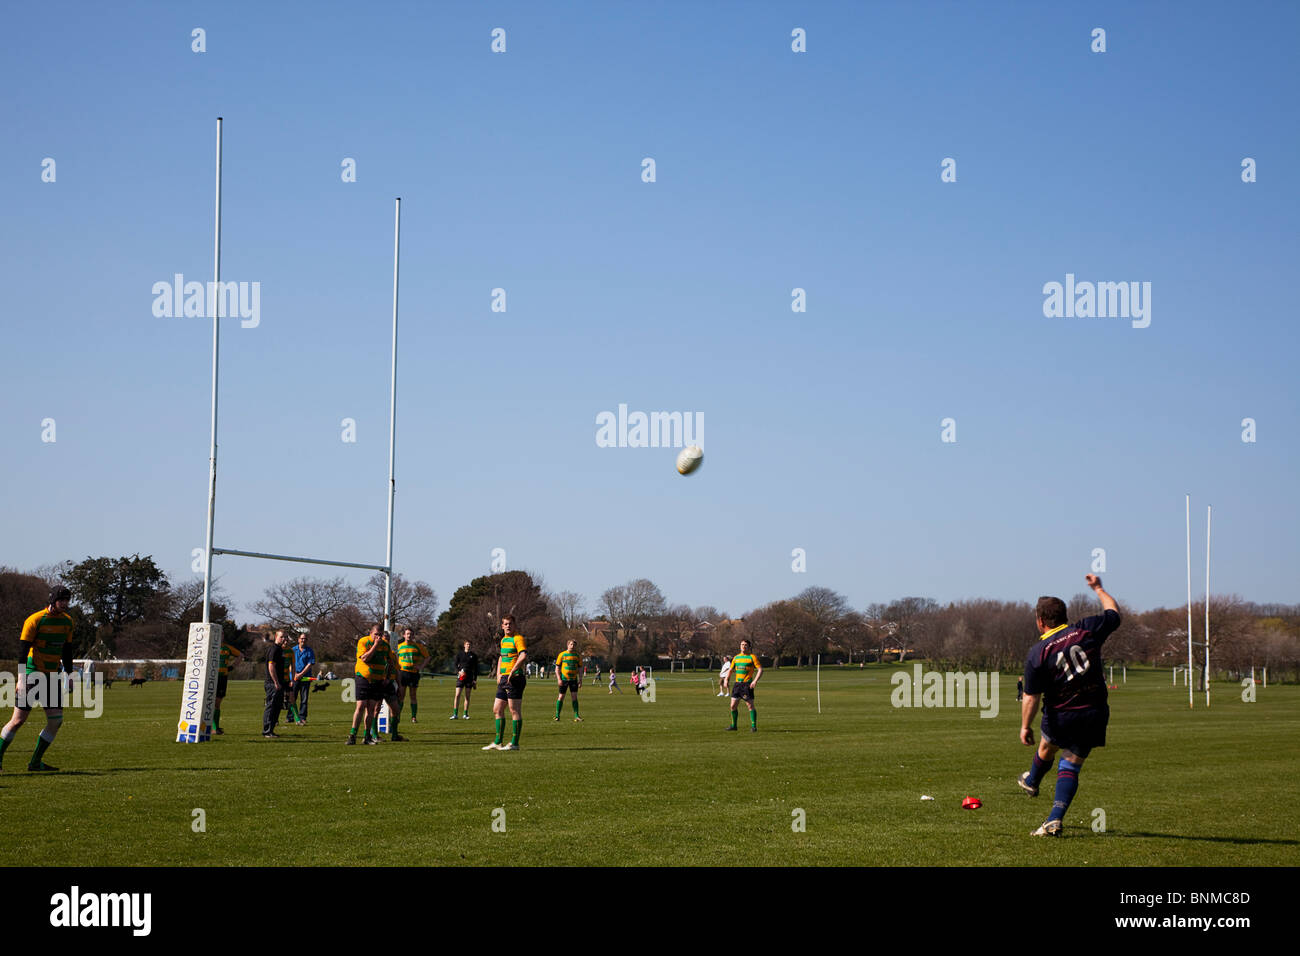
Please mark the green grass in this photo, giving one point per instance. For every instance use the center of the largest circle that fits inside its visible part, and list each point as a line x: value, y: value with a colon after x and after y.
x: 646, y: 784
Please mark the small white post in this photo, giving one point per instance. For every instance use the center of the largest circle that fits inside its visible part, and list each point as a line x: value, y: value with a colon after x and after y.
x: 1207, y: 605
x: 1190, y: 689
x: 819, y: 683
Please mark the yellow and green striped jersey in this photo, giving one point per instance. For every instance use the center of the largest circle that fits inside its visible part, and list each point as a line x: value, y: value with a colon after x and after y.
x: 229, y: 653
x: 412, y: 655
x: 286, y: 665
x: 510, y: 649
x: 377, y: 669
x: 46, y: 633
x: 570, y: 664
x: 743, y: 667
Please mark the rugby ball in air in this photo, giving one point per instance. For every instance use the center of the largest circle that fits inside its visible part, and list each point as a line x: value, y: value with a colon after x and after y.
x: 690, y: 460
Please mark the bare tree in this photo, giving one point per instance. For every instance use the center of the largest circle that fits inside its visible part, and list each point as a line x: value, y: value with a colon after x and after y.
x: 1083, y: 604
x: 782, y: 627
x: 911, y: 617
x: 629, y: 607
x: 413, y: 604
x: 305, y: 602
x: 825, y: 605
x: 853, y: 634
x: 569, y: 606
x: 828, y: 608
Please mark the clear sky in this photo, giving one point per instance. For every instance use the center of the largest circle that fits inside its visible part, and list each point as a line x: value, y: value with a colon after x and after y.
x: 775, y: 170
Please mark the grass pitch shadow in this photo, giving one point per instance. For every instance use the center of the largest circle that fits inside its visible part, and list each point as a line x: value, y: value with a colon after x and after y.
x: 1238, y: 841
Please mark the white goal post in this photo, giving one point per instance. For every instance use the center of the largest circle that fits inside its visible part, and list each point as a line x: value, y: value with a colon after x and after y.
x: 204, y: 642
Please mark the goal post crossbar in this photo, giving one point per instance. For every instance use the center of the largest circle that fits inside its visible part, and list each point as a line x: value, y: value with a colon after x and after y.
x: 286, y: 557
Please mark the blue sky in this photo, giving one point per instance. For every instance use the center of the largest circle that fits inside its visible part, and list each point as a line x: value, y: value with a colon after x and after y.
x: 775, y: 170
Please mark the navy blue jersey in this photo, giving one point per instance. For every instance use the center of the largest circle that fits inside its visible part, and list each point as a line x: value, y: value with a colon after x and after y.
x: 1065, y: 665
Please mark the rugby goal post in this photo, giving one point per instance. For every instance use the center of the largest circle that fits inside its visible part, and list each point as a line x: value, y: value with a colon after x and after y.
x: 203, y: 648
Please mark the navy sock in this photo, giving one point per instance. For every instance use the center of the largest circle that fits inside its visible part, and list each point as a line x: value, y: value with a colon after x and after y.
x: 1037, y: 769
x: 1067, y: 782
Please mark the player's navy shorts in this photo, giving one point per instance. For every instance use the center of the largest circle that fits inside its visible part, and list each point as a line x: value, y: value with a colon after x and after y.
x: 743, y: 690
x: 512, y: 687
x: 390, y: 692
x: 1077, y: 731
x: 571, y: 684
x: 410, y: 678
x: 221, y: 685
x: 369, y: 689
x: 469, y: 680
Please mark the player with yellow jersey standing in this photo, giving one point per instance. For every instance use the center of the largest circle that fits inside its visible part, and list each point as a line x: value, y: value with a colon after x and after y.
x: 568, y: 674
x: 511, y: 678
x: 745, y: 672
x: 47, y: 649
x: 371, y: 669
x: 411, y: 655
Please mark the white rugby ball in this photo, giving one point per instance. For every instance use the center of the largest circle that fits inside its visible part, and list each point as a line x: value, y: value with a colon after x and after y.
x: 690, y: 459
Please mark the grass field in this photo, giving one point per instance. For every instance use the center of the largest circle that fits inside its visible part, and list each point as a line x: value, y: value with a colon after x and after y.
x: 662, y: 784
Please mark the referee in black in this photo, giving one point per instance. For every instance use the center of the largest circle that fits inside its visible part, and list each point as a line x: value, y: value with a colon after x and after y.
x: 274, y: 685
x: 466, y: 679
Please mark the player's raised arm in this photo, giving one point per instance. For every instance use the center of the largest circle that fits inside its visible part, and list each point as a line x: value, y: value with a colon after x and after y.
x: 1107, y: 602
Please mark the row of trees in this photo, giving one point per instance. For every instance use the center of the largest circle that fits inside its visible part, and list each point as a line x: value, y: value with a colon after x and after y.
x: 122, y: 607
x: 126, y: 607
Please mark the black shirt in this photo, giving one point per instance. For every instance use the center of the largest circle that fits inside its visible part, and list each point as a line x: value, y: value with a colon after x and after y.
x: 275, y: 656
x: 467, y: 661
